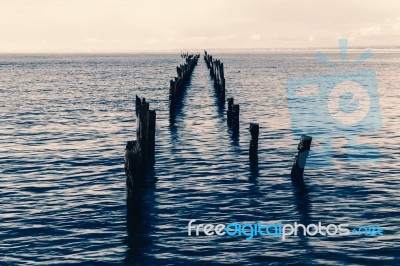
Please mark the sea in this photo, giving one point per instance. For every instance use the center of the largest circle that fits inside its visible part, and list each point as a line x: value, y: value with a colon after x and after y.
x: 65, y: 120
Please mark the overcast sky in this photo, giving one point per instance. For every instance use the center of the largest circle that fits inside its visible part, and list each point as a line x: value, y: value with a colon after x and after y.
x: 131, y: 25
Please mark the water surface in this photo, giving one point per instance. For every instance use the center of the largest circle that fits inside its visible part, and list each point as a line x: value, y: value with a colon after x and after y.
x: 65, y: 120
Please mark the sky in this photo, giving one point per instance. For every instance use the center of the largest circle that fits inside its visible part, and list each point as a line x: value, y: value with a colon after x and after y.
x: 165, y: 25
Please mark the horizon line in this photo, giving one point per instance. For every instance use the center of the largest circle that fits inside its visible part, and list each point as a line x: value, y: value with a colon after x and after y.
x: 175, y: 50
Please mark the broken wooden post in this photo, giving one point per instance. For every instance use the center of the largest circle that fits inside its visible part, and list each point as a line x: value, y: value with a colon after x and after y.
x: 301, y: 158
x: 139, y: 154
x: 253, y: 150
x: 138, y: 102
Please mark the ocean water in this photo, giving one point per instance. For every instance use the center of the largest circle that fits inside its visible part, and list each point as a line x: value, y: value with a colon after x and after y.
x: 64, y: 123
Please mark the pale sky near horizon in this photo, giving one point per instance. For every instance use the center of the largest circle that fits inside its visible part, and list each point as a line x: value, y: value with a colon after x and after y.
x: 158, y: 25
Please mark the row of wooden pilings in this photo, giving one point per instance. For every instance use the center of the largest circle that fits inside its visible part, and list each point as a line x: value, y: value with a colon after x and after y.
x: 184, y: 71
x: 216, y: 68
x: 140, y: 153
x: 217, y: 73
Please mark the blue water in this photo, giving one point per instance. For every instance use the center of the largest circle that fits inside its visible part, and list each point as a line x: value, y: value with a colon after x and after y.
x: 64, y: 123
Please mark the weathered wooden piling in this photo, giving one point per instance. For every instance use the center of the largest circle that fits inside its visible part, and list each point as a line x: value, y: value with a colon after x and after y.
x: 229, y: 112
x: 232, y: 115
x: 217, y: 74
x: 301, y: 158
x: 139, y: 154
x: 172, y: 93
x: 183, y: 71
x: 151, y: 142
x: 235, y: 118
x: 253, y: 149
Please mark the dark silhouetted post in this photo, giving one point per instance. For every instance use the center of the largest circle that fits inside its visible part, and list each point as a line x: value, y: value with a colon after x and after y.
x: 235, y: 118
x: 253, y: 150
x: 172, y: 94
x: 151, y: 138
x: 139, y: 154
x: 229, y: 113
x: 301, y: 158
x: 222, y: 83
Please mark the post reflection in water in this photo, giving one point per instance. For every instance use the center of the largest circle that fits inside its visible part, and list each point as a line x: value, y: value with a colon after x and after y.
x: 303, y: 207
x: 140, y: 219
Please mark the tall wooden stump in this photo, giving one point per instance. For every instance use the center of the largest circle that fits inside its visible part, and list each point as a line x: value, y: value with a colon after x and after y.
x: 142, y: 133
x: 253, y: 149
x: 139, y: 154
x: 300, y: 159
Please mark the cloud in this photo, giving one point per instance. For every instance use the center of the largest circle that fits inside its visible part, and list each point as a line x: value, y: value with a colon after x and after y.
x: 372, y: 30
x: 387, y: 29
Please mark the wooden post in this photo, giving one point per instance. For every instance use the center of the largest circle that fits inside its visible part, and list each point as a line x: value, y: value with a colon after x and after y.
x: 151, y: 138
x: 216, y: 72
x: 143, y: 127
x: 211, y: 67
x: 133, y: 166
x: 179, y: 71
x: 235, y: 118
x: 301, y: 158
x: 229, y: 113
x: 177, y: 87
x: 138, y: 102
x: 222, y: 85
x: 139, y: 154
x: 172, y: 92
x: 253, y: 150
